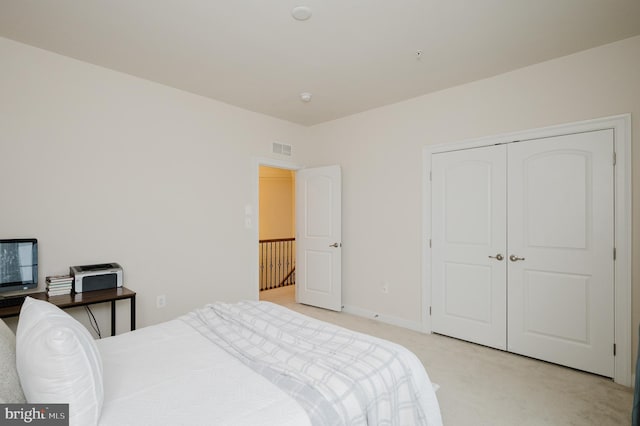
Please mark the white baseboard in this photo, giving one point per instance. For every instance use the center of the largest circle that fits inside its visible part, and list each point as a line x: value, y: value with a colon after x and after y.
x: 387, y: 319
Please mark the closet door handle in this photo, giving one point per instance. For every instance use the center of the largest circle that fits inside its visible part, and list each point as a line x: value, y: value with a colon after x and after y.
x: 515, y: 258
x: 497, y: 257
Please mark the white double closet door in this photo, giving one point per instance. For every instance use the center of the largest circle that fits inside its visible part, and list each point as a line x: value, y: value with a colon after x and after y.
x: 522, y: 248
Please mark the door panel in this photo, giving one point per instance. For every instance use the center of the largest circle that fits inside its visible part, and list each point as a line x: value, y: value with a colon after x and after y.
x: 556, y: 179
x: 542, y: 311
x: 468, y: 226
x: 318, y: 271
x: 467, y: 292
x: 560, y: 203
x: 318, y: 237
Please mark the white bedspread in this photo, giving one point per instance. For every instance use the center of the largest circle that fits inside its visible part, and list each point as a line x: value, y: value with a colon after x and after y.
x: 338, y: 376
x: 168, y: 374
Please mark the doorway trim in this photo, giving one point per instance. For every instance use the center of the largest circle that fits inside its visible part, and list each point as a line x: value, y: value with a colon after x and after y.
x: 621, y: 125
x: 252, y: 211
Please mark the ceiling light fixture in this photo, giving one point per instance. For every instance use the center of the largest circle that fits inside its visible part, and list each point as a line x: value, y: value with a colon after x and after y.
x: 301, y: 13
x: 305, y: 97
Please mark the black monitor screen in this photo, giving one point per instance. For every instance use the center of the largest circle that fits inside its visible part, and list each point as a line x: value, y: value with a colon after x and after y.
x: 18, y: 264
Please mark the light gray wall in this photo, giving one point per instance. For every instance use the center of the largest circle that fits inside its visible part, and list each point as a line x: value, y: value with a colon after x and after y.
x: 380, y: 152
x: 102, y: 167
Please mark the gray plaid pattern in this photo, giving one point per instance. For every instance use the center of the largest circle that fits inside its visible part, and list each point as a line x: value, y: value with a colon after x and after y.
x: 338, y: 376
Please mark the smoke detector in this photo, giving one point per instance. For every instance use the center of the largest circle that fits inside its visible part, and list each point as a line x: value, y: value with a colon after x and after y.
x: 305, y: 97
x: 301, y: 13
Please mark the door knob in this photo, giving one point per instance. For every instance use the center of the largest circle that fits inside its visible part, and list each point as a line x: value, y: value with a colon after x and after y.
x: 334, y: 245
x: 497, y: 256
x: 515, y: 258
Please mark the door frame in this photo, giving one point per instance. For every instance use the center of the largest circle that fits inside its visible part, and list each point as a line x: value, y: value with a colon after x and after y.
x: 621, y: 125
x: 252, y: 212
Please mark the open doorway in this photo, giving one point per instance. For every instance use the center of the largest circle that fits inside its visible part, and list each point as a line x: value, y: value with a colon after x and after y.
x: 276, y: 234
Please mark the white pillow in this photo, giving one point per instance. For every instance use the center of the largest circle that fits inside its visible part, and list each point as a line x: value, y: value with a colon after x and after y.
x: 58, y: 361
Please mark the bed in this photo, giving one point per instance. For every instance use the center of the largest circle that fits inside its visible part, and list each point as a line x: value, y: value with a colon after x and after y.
x: 248, y: 363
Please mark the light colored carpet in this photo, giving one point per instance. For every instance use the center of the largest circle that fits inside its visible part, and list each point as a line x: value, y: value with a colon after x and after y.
x: 482, y: 386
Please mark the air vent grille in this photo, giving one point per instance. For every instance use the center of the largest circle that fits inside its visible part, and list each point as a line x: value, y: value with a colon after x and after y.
x: 281, y: 148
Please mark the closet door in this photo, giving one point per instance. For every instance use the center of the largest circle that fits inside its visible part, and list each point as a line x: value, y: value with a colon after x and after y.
x: 468, y: 245
x: 560, y: 271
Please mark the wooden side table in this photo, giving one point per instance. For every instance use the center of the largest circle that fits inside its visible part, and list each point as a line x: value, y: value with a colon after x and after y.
x: 67, y: 301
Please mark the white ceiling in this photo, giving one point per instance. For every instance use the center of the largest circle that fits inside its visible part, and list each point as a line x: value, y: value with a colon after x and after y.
x: 352, y: 55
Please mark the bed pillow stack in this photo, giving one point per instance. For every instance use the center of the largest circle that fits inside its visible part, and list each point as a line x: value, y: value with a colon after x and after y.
x: 58, y: 361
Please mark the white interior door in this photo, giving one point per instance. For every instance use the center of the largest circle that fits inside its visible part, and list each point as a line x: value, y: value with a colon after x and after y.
x: 468, y: 227
x: 560, y: 203
x: 319, y: 237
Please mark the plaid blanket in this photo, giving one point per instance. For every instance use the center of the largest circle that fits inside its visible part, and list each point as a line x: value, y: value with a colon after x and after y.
x: 338, y: 376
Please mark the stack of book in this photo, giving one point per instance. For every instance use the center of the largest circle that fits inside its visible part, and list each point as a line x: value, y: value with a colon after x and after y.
x: 58, y: 285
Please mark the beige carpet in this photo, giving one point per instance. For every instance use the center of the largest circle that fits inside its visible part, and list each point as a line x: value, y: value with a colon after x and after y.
x: 482, y: 386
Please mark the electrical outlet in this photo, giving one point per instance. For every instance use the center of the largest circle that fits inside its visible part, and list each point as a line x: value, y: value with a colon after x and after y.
x: 161, y: 301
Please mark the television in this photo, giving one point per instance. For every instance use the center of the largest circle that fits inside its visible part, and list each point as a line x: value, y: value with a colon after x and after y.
x: 18, y: 264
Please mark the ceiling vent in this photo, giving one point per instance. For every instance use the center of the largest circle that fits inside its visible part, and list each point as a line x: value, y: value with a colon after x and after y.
x: 281, y: 148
